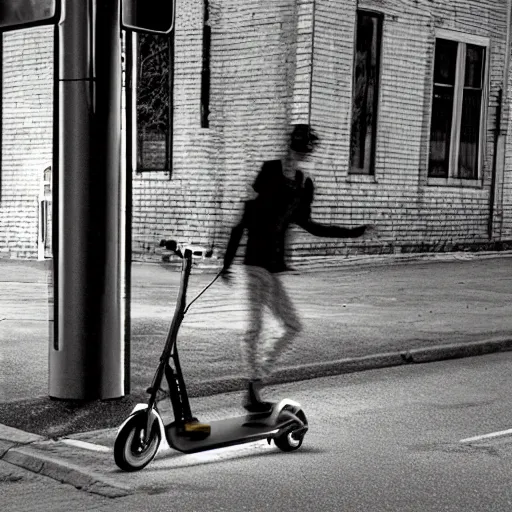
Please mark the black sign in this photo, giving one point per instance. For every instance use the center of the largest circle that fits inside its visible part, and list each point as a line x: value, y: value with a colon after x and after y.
x: 16, y: 14
x: 151, y: 16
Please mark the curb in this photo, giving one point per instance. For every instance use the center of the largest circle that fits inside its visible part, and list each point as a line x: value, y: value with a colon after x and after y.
x: 27, y: 451
x: 384, y: 360
x: 34, y: 452
x: 34, y: 459
x: 358, y: 364
x: 11, y: 437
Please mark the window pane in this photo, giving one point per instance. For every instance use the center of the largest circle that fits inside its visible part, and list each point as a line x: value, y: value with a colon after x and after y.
x: 153, y: 102
x: 440, y: 131
x: 445, y: 63
x: 469, y: 134
x: 17, y: 13
x: 474, y: 66
x: 365, y: 98
x: 467, y: 167
x: 152, y: 15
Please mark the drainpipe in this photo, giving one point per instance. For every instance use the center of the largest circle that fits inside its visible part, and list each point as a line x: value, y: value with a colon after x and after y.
x: 498, y: 163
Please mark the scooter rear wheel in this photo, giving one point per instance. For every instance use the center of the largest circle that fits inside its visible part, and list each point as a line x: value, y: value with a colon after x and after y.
x: 131, y: 453
x: 290, y: 438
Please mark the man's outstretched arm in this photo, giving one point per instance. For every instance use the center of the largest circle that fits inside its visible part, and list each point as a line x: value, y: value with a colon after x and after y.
x: 330, y: 231
x: 303, y: 216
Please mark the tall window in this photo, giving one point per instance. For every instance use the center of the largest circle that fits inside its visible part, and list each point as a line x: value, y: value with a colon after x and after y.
x: 153, y: 103
x: 457, y: 109
x: 366, y: 92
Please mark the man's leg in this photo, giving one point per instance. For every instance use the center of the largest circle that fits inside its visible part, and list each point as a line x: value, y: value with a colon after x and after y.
x: 258, y: 289
x: 282, y: 307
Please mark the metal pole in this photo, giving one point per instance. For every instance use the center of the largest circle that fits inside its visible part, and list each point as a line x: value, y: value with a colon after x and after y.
x: 86, y: 358
x: 107, y: 163
x: 70, y: 354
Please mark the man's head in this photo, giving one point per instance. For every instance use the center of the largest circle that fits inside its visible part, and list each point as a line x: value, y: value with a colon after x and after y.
x: 303, y: 139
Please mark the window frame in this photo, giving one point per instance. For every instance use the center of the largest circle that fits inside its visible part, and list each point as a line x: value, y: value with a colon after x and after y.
x: 463, y: 39
x: 355, y: 173
x: 51, y: 20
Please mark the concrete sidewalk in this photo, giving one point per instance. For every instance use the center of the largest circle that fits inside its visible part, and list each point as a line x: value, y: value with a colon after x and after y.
x: 357, y: 315
x: 373, y: 313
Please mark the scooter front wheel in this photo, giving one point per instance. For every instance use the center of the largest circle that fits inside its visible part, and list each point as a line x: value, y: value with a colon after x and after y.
x: 131, y: 452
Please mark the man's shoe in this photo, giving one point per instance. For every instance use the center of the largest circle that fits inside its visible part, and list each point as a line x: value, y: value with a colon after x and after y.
x: 253, y: 401
x: 258, y: 407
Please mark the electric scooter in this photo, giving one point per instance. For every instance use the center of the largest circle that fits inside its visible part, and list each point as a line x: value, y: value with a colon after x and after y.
x: 140, y: 435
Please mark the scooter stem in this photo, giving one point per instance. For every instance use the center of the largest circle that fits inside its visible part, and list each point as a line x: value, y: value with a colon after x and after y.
x: 181, y: 303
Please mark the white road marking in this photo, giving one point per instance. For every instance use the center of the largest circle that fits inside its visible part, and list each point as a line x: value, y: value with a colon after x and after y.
x: 87, y: 446
x: 492, y: 435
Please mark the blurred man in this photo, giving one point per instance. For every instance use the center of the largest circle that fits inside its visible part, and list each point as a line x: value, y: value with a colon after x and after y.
x: 284, y: 198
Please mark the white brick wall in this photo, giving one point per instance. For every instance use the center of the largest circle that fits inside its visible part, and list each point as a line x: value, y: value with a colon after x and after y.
x: 27, y: 103
x: 409, y: 213
x: 252, y: 79
x: 263, y: 79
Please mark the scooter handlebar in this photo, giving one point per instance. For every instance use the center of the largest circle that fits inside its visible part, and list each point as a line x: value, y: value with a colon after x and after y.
x: 179, y: 249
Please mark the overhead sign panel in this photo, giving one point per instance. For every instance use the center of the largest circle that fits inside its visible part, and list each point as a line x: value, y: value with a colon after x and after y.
x: 16, y: 14
x: 150, y: 16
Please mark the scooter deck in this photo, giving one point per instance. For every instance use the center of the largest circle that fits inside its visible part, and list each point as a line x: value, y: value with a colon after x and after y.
x: 227, y: 432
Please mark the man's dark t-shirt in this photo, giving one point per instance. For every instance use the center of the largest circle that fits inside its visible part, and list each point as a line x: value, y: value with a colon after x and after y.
x: 267, y: 219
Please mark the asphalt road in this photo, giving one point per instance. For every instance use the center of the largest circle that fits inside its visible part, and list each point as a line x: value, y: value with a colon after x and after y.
x: 396, y: 439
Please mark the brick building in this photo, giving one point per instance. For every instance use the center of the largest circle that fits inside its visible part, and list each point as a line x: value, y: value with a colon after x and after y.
x: 404, y: 94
